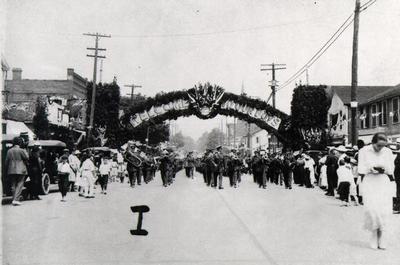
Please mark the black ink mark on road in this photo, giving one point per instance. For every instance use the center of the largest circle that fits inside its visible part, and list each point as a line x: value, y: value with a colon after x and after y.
x: 140, y: 209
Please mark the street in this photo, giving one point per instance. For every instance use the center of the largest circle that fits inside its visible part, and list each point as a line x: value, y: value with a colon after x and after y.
x: 189, y: 223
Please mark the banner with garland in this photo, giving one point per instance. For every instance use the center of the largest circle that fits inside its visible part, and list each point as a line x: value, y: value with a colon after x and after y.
x: 207, y: 101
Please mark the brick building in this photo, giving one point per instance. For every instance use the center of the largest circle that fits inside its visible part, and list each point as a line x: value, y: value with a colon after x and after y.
x: 378, y: 112
x: 23, y: 93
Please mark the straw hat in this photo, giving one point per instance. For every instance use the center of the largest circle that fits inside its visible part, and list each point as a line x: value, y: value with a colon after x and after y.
x: 341, y: 149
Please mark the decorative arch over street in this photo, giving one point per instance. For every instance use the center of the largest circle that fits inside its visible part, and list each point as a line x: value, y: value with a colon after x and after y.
x: 207, y: 101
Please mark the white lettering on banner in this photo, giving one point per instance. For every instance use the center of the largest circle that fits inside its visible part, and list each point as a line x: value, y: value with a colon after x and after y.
x: 182, y: 104
x: 152, y: 113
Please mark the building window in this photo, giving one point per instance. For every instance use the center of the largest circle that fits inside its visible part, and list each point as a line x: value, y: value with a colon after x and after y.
x: 257, y: 140
x: 374, y: 115
x: 382, y: 112
x: 395, y: 110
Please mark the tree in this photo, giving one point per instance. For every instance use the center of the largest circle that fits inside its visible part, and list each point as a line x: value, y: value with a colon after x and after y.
x: 40, y: 120
x: 158, y: 132
x: 182, y: 142
x: 215, y: 138
x: 309, y: 110
x: 106, y: 113
x: 210, y: 140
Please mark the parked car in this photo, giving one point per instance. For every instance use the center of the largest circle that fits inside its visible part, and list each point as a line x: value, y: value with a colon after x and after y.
x: 51, y: 150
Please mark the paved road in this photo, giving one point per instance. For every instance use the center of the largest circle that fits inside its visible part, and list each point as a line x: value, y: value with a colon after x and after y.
x: 189, y: 223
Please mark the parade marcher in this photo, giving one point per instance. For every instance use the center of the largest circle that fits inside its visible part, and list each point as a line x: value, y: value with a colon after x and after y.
x: 375, y: 166
x: 287, y: 171
x: 219, y: 161
x: 189, y: 164
x: 16, y: 168
x: 88, y: 171
x: 331, y: 167
x: 257, y: 168
x: 133, y: 169
x: 211, y: 168
x: 35, y: 172
x: 164, y: 167
x: 74, y: 163
x: 105, y: 171
x: 64, y: 169
x: 203, y: 166
x: 147, y: 168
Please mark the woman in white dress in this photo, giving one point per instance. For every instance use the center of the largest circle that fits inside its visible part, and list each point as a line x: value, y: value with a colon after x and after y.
x: 375, y: 166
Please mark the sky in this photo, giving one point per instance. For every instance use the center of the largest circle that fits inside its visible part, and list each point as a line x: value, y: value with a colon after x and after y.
x: 169, y: 45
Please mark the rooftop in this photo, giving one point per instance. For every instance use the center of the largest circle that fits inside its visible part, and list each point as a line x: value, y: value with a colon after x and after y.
x: 364, y: 93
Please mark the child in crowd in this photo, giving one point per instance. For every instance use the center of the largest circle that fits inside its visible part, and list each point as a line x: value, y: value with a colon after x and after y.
x: 346, y: 181
x: 104, y: 170
x: 114, y: 170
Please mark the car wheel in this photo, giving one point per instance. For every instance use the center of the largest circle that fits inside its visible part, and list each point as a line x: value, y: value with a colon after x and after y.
x: 45, y: 188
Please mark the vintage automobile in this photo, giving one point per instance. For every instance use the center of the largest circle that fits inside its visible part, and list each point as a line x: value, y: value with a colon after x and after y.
x: 51, y: 150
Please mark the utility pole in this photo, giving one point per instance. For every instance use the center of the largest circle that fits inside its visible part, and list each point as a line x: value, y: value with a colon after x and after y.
x: 354, y: 77
x: 101, y: 71
x: 133, y: 86
x: 307, y: 76
x: 96, y: 55
x: 274, y: 67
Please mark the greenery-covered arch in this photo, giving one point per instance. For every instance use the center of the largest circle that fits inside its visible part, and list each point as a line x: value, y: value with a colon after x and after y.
x: 206, y: 101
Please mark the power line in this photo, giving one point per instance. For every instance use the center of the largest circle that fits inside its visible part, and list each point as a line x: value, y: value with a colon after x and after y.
x: 326, y: 46
x: 174, y: 35
x: 308, y: 63
x: 313, y: 59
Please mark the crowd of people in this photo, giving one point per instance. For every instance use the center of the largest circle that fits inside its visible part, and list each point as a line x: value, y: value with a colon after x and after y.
x: 82, y: 172
x: 359, y: 175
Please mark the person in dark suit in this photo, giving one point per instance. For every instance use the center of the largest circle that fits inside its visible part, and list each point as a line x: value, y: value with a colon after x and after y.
x: 16, y: 166
x: 331, y: 167
x: 35, y: 172
x: 219, y: 161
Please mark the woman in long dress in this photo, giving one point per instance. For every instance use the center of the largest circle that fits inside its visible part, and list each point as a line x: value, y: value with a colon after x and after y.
x: 375, y: 166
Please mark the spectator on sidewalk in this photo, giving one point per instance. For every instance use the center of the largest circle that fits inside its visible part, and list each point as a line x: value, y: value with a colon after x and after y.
x: 16, y: 168
x: 104, y: 170
x: 64, y: 170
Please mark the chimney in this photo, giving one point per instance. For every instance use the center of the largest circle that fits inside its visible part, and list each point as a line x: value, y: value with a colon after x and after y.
x: 70, y: 74
x: 16, y: 74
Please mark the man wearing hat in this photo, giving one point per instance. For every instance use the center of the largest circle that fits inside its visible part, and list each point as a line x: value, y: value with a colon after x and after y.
x: 189, y: 165
x: 331, y: 167
x: 16, y: 168
x: 219, y: 161
x: 164, y: 167
x: 64, y: 170
x: 211, y: 167
x: 74, y: 163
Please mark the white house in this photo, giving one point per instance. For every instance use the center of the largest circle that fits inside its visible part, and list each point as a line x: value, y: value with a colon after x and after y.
x: 56, y: 109
x: 259, y: 140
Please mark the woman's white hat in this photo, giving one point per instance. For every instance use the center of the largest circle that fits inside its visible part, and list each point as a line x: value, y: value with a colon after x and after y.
x: 341, y: 149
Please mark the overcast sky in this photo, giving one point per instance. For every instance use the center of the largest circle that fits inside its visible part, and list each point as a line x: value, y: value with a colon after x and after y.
x: 224, y: 43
